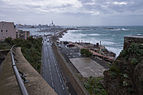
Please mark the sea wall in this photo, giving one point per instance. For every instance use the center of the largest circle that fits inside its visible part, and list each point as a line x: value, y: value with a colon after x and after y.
x: 132, y: 39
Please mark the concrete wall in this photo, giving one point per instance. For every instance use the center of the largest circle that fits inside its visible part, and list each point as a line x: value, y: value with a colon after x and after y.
x: 36, y: 85
x: 7, y: 29
x: 132, y: 39
x: 76, y: 84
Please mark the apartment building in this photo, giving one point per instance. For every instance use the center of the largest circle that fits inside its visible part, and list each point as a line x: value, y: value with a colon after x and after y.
x: 7, y: 29
x: 22, y: 34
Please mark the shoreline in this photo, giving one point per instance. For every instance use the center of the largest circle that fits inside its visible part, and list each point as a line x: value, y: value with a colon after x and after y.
x: 65, y: 31
x: 109, y: 48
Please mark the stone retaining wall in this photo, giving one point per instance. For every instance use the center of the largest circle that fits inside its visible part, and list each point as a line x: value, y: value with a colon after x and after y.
x: 132, y: 39
x: 78, y: 87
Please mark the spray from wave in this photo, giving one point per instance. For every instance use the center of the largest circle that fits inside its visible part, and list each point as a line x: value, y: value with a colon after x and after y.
x: 119, y: 29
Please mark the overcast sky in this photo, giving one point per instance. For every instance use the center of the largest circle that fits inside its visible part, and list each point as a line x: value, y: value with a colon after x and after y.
x: 73, y: 12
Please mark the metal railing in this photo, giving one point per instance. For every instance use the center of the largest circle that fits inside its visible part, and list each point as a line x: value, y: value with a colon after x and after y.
x: 18, y: 77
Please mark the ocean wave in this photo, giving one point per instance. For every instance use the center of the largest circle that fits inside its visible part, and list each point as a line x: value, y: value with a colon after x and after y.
x: 139, y: 34
x: 107, y: 43
x: 120, y: 29
x: 115, y: 50
x: 84, y: 38
x: 93, y: 34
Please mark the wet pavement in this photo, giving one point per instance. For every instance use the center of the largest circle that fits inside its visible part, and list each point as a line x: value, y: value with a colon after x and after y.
x: 88, y: 67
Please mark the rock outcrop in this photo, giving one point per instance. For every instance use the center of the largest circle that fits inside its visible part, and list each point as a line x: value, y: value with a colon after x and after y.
x: 125, y: 76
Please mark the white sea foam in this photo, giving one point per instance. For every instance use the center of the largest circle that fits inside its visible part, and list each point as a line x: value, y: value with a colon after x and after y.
x: 74, y: 37
x: 120, y: 29
x: 139, y: 34
x: 79, y: 37
x: 115, y: 50
x: 93, y: 34
x: 107, y: 43
x: 124, y: 29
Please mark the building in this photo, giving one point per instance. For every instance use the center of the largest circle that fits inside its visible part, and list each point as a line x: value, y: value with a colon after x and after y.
x: 22, y: 34
x: 7, y: 29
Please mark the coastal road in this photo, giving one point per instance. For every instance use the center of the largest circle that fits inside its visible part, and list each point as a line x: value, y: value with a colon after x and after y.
x: 50, y: 69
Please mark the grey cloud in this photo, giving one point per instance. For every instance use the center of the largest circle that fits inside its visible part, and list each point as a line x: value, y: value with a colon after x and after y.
x: 107, y: 6
x: 98, y: 10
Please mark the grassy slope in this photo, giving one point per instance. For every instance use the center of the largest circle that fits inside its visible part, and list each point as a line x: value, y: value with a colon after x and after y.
x: 31, y: 49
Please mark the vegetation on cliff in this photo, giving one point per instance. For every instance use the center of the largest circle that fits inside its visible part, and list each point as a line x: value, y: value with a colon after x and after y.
x: 85, y: 52
x: 125, y: 76
x: 94, y: 86
x: 31, y: 49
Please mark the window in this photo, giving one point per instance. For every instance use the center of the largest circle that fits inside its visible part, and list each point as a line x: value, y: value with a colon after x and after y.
x: 6, y: 30
x: 1, y: 30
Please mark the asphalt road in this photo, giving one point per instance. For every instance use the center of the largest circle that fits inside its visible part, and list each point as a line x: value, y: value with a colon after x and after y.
x: 50, y: 69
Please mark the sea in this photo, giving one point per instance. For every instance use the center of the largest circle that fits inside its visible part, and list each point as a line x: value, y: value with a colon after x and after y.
x: 112, y: 37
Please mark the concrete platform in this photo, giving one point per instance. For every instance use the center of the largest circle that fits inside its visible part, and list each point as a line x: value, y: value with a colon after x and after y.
x: 88, y: 67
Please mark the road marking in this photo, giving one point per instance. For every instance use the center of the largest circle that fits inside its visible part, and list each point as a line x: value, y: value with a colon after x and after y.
x: 52, y: 84
x: 60, y: 80
x: 63, y: 87
x: 52, y: 64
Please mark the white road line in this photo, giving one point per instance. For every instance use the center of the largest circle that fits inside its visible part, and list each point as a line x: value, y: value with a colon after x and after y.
x: 52, y: 84
x: 50, y: 58
x: 60, y: 80
x: 63, y: 87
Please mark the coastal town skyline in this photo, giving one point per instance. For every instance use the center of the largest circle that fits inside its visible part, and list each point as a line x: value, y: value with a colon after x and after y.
x: 73, y: 12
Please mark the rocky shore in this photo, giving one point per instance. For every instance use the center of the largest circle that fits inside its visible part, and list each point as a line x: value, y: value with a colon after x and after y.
x: 96, y: 49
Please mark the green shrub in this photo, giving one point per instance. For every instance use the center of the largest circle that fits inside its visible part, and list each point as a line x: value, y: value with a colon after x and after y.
x: 4, y: 45
x: 134, y: 61
x: 85, y: 52
x: 9, y: 41
x: 94, y: 86
x: 135, y: 50
x: 31, y: 49
x: 114, y: 68
x: 123, y: 53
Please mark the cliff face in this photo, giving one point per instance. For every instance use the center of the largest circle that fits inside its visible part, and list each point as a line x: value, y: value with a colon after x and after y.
x: 125, y: 76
